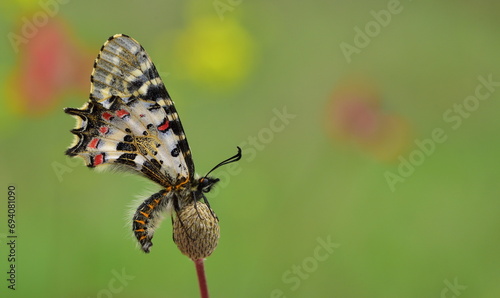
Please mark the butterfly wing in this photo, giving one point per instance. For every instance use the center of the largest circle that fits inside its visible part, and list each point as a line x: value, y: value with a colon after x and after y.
x: 130, y: 122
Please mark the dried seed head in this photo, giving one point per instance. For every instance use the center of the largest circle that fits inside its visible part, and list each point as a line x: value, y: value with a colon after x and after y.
x: 196, y: 233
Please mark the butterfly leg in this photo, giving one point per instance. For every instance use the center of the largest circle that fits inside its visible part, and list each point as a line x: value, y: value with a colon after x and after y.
x: 177, y: 211
x: 208, y: 205
x: 195, y: 207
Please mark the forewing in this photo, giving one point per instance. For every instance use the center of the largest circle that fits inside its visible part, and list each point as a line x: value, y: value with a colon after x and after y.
x: 130, y: 121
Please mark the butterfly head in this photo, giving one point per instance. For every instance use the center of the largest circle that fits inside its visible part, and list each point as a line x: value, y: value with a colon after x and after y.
x: 205, y: 184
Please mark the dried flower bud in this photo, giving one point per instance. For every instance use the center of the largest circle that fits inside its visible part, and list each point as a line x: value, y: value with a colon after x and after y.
x: 196, y: 233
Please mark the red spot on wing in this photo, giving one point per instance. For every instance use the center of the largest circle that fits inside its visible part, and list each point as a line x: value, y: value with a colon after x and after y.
x: 122, y: 113
x: 164, y: 126
x: 107, y: 116
x: 93, y: 143
x: 103, y: 130
x: 98, y: 159
x: 142, y: 115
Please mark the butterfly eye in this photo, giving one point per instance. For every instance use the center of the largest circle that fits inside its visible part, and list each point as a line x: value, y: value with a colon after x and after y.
x: 206, y: 183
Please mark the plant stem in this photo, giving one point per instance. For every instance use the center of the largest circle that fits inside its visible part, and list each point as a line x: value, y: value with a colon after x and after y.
x: 202, y: 280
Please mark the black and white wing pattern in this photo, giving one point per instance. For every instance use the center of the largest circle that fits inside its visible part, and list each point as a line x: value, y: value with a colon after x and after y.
x: 130, y: 122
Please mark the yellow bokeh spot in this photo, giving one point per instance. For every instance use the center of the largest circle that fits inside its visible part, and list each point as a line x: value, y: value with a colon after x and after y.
x: 218, y: 54
x: 10, y: 10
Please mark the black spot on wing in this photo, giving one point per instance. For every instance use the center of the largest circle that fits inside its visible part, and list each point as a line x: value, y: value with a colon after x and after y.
x: 155, y: 92
x: 154, y: 106
x: 135, y: 85
x: 132, y: 101
x: 186, y: 153
x: 151, y: 165
x: 175, y: 152
x: 115, y: 102
x: 177, y: 128
x: 156, y: 163
x: 152, y: 73
x: 126, y: 147
x: 170, y: 109
x: 183, y: 145
x: 127, y: 159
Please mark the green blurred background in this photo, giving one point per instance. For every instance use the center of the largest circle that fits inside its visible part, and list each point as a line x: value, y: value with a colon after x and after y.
x: 367, y: 125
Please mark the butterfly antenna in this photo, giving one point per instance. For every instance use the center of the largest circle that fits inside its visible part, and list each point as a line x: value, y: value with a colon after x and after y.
x: 225, y: 162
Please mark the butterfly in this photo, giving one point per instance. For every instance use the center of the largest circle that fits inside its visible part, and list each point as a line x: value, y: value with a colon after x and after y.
x: 130, y: 123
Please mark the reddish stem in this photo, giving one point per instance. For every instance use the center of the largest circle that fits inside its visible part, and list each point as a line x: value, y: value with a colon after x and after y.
x: 202, y: 280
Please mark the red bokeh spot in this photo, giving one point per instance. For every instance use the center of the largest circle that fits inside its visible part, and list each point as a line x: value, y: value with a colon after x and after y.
x: 355, y: 116
x: 50, y: 63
